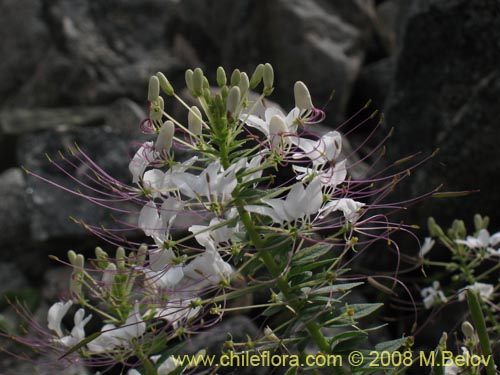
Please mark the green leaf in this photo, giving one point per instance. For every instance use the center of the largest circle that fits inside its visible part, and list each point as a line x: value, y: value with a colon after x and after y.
x: 310, y: 254
x: 390, y: 346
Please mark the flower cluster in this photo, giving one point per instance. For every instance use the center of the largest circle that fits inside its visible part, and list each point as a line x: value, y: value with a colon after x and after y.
x: 243, y: 223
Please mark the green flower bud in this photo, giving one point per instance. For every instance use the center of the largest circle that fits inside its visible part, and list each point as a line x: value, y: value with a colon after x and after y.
x: 71, y: 257
x: 206, y: 84
x: 102, y: 258
x: 207, y: 95
x: 142, y: 254
x: 459, y: 230
x: 189, y: 79
x: 268, y: 76
x: 165, y: 138
x: 195, y: 121
x: 256, y: 76
x: 221, y: 76
x: 120, y: 258
x: 302, y: 97
x: 235, y: 77
x: 198, y: 82
x: 244, y: 84
x: 434, y: 229
x: 153, y: 89
x: 233, y: 99
x: 79, y: 261
x: 165, y: 84
x: 224, y: 92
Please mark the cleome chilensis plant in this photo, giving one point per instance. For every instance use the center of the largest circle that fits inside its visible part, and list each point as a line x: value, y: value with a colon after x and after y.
x: 230, y: 203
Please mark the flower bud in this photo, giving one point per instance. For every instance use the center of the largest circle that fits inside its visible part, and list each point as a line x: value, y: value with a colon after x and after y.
x: 189, y: 79
x: 142, y: 254
x: 156, y: 112
x: 120, y: 258
x: 235, y: 77
x: 233, y: 99
x: 198, y: 82
x: 221, y: 76
x: 459, y: 229
x: 268, y: 76
x: 270, y: 335
x: 109, y: 275
x: 434, y: 229
x: 277, y: 127
x: 244, y: 84
x: 468, y: 330
x: 165, y: 138
x: 302, y: 97
x: 165, y: 84
x: 206, y: 84
x: 256, y: 76
x: 71, y: 257
x: 194, y: 120
x: 102, y: 258
x: 153, y: 89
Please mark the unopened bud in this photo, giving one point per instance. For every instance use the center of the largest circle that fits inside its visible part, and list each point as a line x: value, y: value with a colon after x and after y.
x: 256, y: 76
x: 194, y: 120
x: 153, y: 89
x: 109, y: 275
x: 165, y: 84
x: 156, y: 112
x: 142, y: 254
x: 102, y: 258
x: 277, y: 127
x: 79, y: 261
x: 268, y: 76
x: 165, y: 138
x: 233, y: 99
x: 468, y: 330
x: 71, y: 256
x: 481, y: 222
x: 188, y: 76
x: 221, y: 76
x: 120, y: 258
x: 459, y: 228
x: 270, y: 335
x: 434, y: 229
x: 206, y: 84
x: 235, y: 77
x: 244, y: 83
x: 302, y: 97
x: 198, y: 82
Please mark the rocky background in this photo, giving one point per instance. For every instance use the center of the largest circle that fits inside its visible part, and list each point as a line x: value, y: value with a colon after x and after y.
x: 77, y: 71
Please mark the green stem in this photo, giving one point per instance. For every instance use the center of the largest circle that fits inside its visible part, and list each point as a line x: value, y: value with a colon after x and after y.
x: 482, y: 332
x: 274, y: 269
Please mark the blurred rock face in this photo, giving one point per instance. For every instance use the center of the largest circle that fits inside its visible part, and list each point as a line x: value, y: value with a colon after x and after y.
x: 445, y: 95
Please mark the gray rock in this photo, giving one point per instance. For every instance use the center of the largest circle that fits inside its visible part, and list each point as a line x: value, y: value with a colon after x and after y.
x: 15, y: 214
x: 320, y: 42
x: 52, y: 206
x: 445, y: 95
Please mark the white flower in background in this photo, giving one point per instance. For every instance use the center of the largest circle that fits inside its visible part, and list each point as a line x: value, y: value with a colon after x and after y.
x: 165, y: 368
x: 204, y: 234
x: 299, y: 203
x: 483, y: 240
x: 433, y: 295
x: 142, y: 158
x: 322, y: 151
x: 485, y: 291
x: 331, y: 177
x: 55, y: 315
x: 156, y: 222
x: 178, y: 310
x: 163, y: 273
x: 349, y: 207
x: 78, y: 331
x: 112, y: 336
x: 426, y: 246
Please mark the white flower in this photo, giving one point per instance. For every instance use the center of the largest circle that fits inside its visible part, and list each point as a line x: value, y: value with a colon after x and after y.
x: 299, y: 203
x: 169, y: 365
x: 112, y: 337
x: 332, y: 176
x: 164, y: 273
x: 290, y: 120
x: 78, y: 331
x: 349, y: 207
x: 433, y: 295
x: 426, y: 246
x: 155, y: 223
x: 203, y: 234
x: 133, y: 372
x: 209, y: 266
x: 55, y: 315
x: 484, y: 290
x: 142, y: 158
x: 450, y: 368
x: 483, y: 240
x: 178, y: 310
x: 324, y: 150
